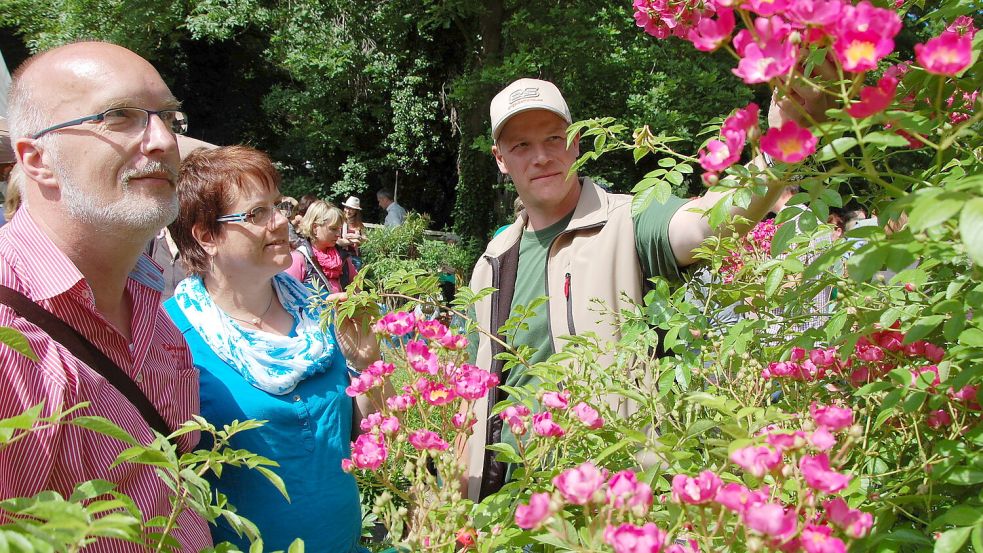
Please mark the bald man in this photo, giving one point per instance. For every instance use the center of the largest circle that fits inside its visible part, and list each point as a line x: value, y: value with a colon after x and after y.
x: 93, y: 129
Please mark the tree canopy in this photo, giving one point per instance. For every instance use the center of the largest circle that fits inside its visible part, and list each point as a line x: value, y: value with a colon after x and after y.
x: 349, y: 96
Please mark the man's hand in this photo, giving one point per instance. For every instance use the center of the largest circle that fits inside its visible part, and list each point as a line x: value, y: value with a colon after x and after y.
x: 803, y: 98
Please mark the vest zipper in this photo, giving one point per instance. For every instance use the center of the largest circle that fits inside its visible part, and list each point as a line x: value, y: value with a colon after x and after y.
x: 549, y: 255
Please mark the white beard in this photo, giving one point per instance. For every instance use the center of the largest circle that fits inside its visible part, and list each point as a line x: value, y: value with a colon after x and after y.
x: 132, y: 212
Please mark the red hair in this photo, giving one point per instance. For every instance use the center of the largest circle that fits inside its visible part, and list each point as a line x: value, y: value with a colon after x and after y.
x: 211, y: 180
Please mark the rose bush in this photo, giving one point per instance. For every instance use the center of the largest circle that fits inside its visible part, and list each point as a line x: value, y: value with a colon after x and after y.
x: 794, y: 425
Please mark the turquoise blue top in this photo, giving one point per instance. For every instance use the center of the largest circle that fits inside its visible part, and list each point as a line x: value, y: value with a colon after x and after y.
x: 308, y: 433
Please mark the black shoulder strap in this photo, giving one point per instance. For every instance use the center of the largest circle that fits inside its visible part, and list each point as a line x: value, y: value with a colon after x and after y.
x: 85, y: 352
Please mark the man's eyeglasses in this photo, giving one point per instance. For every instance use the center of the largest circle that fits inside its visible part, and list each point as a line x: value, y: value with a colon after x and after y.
x: 261, y: 216
x: 127, y: 120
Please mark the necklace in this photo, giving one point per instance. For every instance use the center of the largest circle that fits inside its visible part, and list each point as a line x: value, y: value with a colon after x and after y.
x: 255, y: 321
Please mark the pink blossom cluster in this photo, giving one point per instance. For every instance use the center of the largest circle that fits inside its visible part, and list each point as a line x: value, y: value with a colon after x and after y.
x: 588, y: 485
x: 726, y: 151
x: 401, y: 323
x: 756, y: 244
x: 438, y: 384
x: 519, y: 417
x: 761, y: 511
x: 859, y: 35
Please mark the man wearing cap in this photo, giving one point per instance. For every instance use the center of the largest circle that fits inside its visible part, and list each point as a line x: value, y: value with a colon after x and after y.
x: 93, y: 128
x: 573, y: 243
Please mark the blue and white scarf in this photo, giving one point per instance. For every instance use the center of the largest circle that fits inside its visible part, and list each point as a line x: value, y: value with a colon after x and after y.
x: 270, y: 362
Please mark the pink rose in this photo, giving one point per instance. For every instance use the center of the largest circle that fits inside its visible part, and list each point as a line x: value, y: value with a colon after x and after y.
x: 542, y: 424
x: 369, y: 451
x: 557, y: 400
x: 460, y: 422
x: 695, y: 491
x: 535, y: 513
x: 874, y: 99
x: 818, y: 475
x: 455, y: 342
x: 427, y: 440
x: 473, y: 383
x: 579, y: 485
x: 420, y: 358
x: 401, y: 402
x: 772, y: 520
x: 628, y: 538
x: 625, y: 491
x: 938, y: 419
x: 757, y: 460
x: 395, y: 323
x: 515, y: 417
x: 363, y: 383
x: 784, y: 441
x: 832, y: 417
x: 431, y: 329
x: 588, y: 415
x: 737, y: 497
x: 855, y: 523
x: 789, y: 143
x: 822, y: 439
x: 380, y: 369
x: 947, y: 54
x: 709, y: 34
x: 819, y: 539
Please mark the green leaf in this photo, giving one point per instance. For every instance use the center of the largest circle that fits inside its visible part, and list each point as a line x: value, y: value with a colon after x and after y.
x: 275, y: 480
x: 972, y: 337
x: 933, y: 211
x: 91, y: 489
x: 667, y: 162
x: 506, y: 453
x: 952, y: 540
x: 887, y: 139
x: 782, y: 237
x: 699, y: 427
x: 774, y: 279
x: 960, y: 515
x: 106, y: 428
x: 965, y: 476
x: 866, y: 262
x: 17, y: 342
x: 971, y: 229
x: 839, y: 145
x: 297, y: 546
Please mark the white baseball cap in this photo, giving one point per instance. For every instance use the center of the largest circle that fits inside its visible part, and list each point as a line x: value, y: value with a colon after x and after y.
x: 524, y: 95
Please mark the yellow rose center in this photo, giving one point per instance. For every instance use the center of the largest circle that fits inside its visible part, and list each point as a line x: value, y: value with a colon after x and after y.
x: 789, y: 146
x: 858, y: 51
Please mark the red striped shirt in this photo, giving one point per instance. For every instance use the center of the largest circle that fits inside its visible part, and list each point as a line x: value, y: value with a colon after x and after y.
x: 158, y: 361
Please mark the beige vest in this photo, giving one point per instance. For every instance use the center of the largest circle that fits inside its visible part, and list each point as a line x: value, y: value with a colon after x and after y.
x: 594, y: 258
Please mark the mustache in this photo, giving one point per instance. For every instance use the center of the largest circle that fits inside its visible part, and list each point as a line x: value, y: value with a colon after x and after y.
x: 152, y: 169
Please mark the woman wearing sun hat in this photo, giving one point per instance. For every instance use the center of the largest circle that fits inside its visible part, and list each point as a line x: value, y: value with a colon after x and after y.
x: 352, y: 230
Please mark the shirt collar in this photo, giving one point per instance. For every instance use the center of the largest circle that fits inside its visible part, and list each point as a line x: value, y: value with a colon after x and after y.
x: 48, y: 272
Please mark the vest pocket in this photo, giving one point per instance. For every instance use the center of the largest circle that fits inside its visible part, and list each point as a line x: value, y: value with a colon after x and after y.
x: 568, y: 293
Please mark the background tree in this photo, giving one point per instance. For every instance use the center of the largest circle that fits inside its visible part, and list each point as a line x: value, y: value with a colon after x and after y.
x: 349, y: 96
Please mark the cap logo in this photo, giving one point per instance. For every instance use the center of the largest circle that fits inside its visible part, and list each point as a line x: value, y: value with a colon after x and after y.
x: 522, y: 94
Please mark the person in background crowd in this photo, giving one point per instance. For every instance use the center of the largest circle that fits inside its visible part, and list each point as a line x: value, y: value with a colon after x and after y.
x: 305, y: 201
x: 7, y: 162
x: 324, y: 262
x: 395, y: 214
x: 257, y: 340
x: 12, y: 200
x: 162, y: 248
x: 352, y: 230
x: 574, y: 243
x: 93, y: 126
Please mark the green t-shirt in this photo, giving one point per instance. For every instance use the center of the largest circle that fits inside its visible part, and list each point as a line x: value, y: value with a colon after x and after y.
x: 654, y: 252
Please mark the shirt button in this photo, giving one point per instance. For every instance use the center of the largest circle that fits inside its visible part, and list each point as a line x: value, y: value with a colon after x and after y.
x: 139, y: 378
x: 297, y: 398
